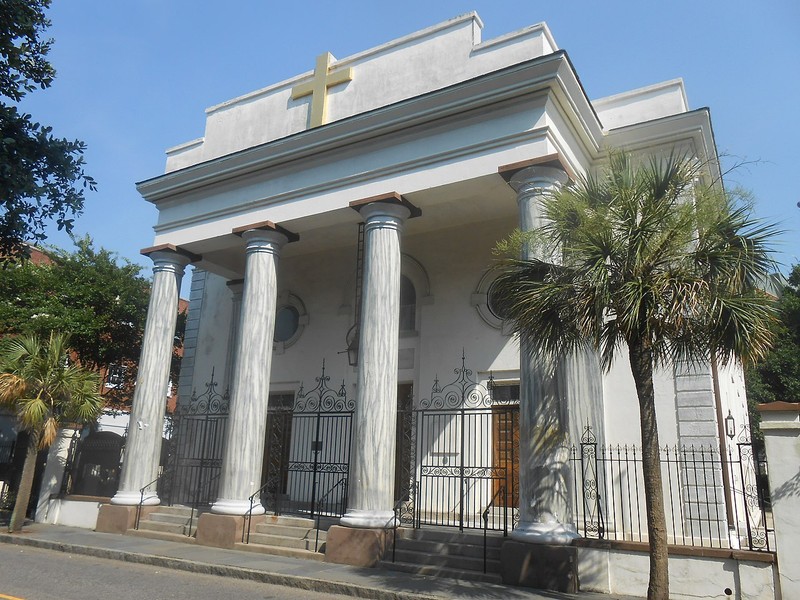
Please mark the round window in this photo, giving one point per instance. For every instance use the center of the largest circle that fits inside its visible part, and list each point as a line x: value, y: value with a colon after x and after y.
x: 494, y: 303
x: 287, y: 321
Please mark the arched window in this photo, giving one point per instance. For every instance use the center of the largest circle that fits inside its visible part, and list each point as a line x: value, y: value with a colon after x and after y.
x: 408, y: 305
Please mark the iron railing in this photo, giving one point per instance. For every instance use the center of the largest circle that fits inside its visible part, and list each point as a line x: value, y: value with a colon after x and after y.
x: 609, y: 494
x: 485, y: 515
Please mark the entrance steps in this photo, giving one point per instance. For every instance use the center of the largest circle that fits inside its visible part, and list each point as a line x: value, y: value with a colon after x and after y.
x: 175, y: 523
x: 446, y: 553
x: 295, y: 537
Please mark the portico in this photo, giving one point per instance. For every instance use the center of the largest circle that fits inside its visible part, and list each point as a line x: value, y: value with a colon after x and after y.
x: 361, y: 219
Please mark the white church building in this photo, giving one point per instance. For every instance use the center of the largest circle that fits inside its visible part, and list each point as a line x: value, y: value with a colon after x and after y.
x: 342, y: 353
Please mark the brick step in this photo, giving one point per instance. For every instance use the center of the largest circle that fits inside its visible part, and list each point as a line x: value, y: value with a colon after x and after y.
x: 450, y: 549
x: 280, y: 551
x: 267, y: 539
x: 438, y: 571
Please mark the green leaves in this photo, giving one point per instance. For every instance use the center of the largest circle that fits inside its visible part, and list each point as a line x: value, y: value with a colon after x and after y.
x: 38, y: 379
x: 42, y: 177
x: 648, y: 256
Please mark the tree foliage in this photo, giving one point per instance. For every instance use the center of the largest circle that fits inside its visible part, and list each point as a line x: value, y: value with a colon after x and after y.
x: 100, y: 299
x: 649, y: 263
x: 42, y: 176
x: 46, y: 390
x: 777, y: 377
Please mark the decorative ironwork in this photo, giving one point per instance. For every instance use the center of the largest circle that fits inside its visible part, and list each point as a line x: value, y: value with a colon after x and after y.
x: 308, y: 445
x: 197, y: 434
x: 210, y: 402
x: 466, y: 450
x: 609, y: 494
x: 461, y: 393
x: 323, y: 398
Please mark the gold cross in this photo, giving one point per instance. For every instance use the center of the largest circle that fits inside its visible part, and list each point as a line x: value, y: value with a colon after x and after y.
x: 317, y: 88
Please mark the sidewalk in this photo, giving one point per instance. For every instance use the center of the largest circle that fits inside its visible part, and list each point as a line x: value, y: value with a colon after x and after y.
x: 378, y: 584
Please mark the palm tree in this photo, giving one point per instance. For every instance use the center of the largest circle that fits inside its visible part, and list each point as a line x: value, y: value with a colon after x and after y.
x: 46, y: 390
x: 650, y: 263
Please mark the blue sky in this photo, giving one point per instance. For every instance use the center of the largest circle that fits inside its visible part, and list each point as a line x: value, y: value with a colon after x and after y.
x: 135, y: 77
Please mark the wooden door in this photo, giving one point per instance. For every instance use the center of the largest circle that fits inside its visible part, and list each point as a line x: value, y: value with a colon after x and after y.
x: 505, y: 441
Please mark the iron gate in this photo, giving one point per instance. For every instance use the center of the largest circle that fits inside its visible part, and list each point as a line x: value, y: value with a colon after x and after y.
x: 307, y: 457
x: 195, y: 449
x: 464, y: 443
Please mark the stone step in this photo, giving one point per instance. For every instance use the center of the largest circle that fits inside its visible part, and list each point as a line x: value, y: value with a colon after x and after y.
x: 452, y: 561
x: 176, y: 510
x: 301, y: 533
x: 287, y: 521
x: 179, y: 529
x: 450, y: 536
x: 161, y: 535
x: 450, y: 549
x: 280, y: 551
x: 169, y: 518
x: 286, y: 542
x: 437, y: 571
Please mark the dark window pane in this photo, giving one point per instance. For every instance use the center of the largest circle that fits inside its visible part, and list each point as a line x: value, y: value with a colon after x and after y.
x: 287, y: 320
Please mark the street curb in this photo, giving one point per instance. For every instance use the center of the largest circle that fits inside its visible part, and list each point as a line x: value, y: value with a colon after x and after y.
x: 179, y: 564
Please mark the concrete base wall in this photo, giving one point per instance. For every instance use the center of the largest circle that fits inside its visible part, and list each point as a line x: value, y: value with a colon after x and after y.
x: 540, y: 566
x: 73, y: 513
x: 625, y: 572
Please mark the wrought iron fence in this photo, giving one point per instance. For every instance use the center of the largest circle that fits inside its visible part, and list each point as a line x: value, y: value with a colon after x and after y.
x: 703, y: 507
x: 462, y: 444
x: 308, y: 452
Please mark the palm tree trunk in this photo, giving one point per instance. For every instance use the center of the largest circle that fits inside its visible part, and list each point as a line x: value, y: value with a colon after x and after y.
x: 25, y: 484
x: 641, y: 360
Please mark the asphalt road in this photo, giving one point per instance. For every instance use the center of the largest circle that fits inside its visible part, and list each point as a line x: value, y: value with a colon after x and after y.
x: 35, y: 574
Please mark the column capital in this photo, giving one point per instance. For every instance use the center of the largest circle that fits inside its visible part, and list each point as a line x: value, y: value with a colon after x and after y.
x: 536, y: 179
x: 168, y: 257
x: 264, y: 227
x: 373, y: 205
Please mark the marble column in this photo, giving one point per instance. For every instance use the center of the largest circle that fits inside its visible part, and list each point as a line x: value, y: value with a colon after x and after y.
x: 237, y: 288
x: 544, y: 474
x: 143, y: 446
x: 247, y: 421
x: 371, y: 483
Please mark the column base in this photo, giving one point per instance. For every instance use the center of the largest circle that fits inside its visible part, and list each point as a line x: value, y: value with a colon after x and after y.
x: 221, y: 531
x: 540, y: 566
x: 134, y: 498
x: 357, y: 546
x: 368, y: 519
x: 544, y: 533
x: 118, y: 519
x: 236, y: 507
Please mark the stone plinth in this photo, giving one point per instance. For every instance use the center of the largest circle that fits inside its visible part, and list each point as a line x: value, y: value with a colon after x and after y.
x: 118, y: 518
x: 221, y: 531
x: 541, y: 566
x: 357, y: 546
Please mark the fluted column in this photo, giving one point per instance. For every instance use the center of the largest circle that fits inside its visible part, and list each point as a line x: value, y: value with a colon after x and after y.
x: 143, y: 446
x: 544, y: 492
x: 247, y: 420
x: 371, y: 482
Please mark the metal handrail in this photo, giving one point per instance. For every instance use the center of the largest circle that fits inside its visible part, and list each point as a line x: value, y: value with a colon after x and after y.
x: 485, y: 516
x: 249, y: 514
x: 319, y: 505
x: 196, y: 502
x: 395, y: 525
x: 141, y: 501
